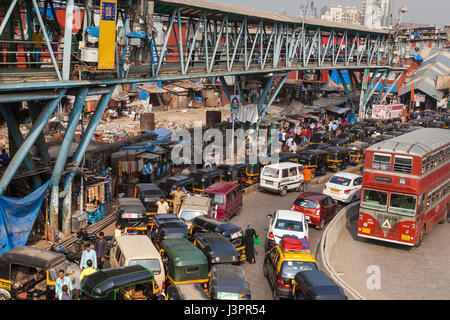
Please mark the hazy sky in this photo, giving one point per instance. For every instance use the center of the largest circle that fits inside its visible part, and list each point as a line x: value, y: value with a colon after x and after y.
x: 419, y: 11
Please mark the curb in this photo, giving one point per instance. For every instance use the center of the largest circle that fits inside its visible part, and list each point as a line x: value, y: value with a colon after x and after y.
x: 328, y: 239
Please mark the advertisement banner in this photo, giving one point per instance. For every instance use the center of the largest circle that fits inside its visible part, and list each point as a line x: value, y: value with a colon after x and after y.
x: 235, y: 104
x: 107, y: 36
x: 384, y: 112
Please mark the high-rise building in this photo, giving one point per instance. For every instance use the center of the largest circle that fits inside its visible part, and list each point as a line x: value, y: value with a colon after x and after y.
x: 386, y: 13
x: 334, y: 13
x: 352, y: 15
x: 372, y: 14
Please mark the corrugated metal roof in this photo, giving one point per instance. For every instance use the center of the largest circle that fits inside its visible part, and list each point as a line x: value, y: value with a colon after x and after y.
x: 255, y: 14
x: 417, y: 143
x: 437, y: 64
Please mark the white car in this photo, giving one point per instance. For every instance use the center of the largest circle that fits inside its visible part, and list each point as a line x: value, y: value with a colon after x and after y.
x: 283, y: 223
x: 344, y: 187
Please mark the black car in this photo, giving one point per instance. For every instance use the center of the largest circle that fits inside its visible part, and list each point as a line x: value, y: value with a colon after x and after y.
x: 314, y: 285
x: 186, y: 291
x: 230, y: 231
x: 216, y: 248
x: 228, y: 282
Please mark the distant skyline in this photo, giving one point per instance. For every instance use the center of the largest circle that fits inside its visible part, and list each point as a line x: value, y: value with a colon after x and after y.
x: 434, y: 12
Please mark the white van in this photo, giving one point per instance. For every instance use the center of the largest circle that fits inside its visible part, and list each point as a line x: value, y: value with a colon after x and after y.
x: 281, y: 177
x: 138, y: 249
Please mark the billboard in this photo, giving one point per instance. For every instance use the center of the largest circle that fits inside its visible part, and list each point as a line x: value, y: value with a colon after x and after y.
x: 384, y: 112
x: 235, y: 104
x: 107, y: 37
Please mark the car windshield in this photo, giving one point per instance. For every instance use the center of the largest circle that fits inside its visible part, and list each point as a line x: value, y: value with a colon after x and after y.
x: 402, y: 203
x: 290, y: 225
x: 54, y: 270
x: 191, y: 214
x: 307, y: 204
x: 374, y: 199
x: 290, y: 268
x: 341, y: 181
x: 271, y: 172
x: 151, y: 264
x: 216, y: 199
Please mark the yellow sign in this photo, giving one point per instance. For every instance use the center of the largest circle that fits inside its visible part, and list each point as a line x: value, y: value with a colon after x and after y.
x: 107, y: 36
x: 365, y: 230
x: 406, y: 237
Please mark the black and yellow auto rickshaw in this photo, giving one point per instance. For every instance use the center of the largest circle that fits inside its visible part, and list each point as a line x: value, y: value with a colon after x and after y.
x: 316, y: 160
x: 320, y: 137
x: 186, y: 291
x: 132, y: 216
x: 369, y: 131
x: 168, y: 226
x: 357, y: 151
x: 30, y: 273
x: 446, y: 123
x: 338, y: 158
x: 252, y: 173
x: 288, y: 157
x: 316, y: 146
x: 372, y: 140
x: 350, y: 136
x: 315, y: 285
x: 133, y: 282
x: 149, y: 194
x: 359, y: 134
x: 437, y: 124
x: 170, y: 184
x: 184, y: 262
x: 228, y: 282
x: 233, y: 173
x: 340, y: 142
x: 203, y: 178
x: 384, y: 137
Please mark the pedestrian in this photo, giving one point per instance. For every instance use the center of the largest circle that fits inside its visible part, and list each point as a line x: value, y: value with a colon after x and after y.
x: 163, y: 206
x: 65, y: 294
x: 87, y: 271
x: 291, y: 144
x: 177, y: 198
x: 88, y: 254
x: 334, y: 128
x: 249, y: 238
x: 306, y: 178
x: 308, y: 135
x: 60, y: 282
x: 118, y: 231
x: 136, y: 112
x: 4, y: 158
x: 37, y: 39
x: 100, y: 249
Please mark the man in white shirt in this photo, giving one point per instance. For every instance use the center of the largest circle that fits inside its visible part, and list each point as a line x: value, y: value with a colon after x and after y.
x: 291, y: 144
x: 163, y: 206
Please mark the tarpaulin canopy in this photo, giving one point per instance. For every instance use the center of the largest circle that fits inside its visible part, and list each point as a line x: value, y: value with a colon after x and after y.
x: 17, y: 217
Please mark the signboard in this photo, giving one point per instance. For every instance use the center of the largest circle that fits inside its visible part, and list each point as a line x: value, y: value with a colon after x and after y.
x: 385, y: 112
x: 107, y: 34
x: 419, y: 97
x: 235, y: 104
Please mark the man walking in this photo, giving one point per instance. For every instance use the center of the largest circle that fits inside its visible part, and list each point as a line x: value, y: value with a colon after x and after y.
x: 306, y: 178
x: 163, y: 206
x: 87, y: 271
x: 37, y: 39
x: 60, y: 282
x: 88, y: 254
x: 100, y: 249
x: 177, y: 198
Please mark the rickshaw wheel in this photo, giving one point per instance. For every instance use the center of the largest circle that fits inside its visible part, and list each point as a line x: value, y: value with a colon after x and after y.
x: 4, y: 295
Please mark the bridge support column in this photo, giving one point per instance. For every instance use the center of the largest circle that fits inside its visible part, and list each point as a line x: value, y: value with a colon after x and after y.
x: 272, y: 98
x: 24, y: 149
x: 263, y: 96
x: 61, y: 160
x: 347, y: 91
x: 13, y: 129
x: 41, y: 143
x: 79, y: 154
x: 370, y: 91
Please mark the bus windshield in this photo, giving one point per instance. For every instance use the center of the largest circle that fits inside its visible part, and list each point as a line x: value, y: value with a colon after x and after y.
x: 402, y: 203
x: 374, y: 199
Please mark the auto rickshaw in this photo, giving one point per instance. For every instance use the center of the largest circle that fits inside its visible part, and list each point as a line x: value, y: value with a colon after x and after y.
x: 340, y: 142
x: 316, y: 160
x: 395, y: 133
x: 437, y: 124
x: 424, y: 122
x: 184, y: 262
x: 446, y: 123
x: 203, y: 178
x: 347, y: 135
x: 133, y: 282
x: 230, y: 231
x: 149, y: 194
x: 216, y: 248
x: 338, y: 158
x: 384, y: 137
x: 316, y: 146
x: 315, y: 285
x: 233, y: 173
x: 359, y: 134
x: 131, y: 215
x: 288, y: 157
x: 372, y: 140
x: 186, y: 291
x: 228, y: 282
x: 320, y: 137
x: 168, y: 228
x: 356, y: 152
x: 252, y: 173
x: 369, y: 131
x: 168, y: 185
x: 30, y: 273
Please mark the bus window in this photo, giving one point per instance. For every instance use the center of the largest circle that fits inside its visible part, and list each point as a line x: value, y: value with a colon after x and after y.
x: 402, y: 203
x: 374, y: 199
x: 403, y: 164
x: 381, y: 161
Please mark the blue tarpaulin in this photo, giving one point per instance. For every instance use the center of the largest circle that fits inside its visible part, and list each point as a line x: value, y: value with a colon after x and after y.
x: 17, y: 217
x: 164, y: 135
x: 335, y: 77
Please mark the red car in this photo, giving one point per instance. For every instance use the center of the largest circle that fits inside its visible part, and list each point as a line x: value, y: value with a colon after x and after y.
x: 317, y: 208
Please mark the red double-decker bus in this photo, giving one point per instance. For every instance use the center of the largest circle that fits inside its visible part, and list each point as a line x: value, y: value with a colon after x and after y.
x: 406, y: 187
